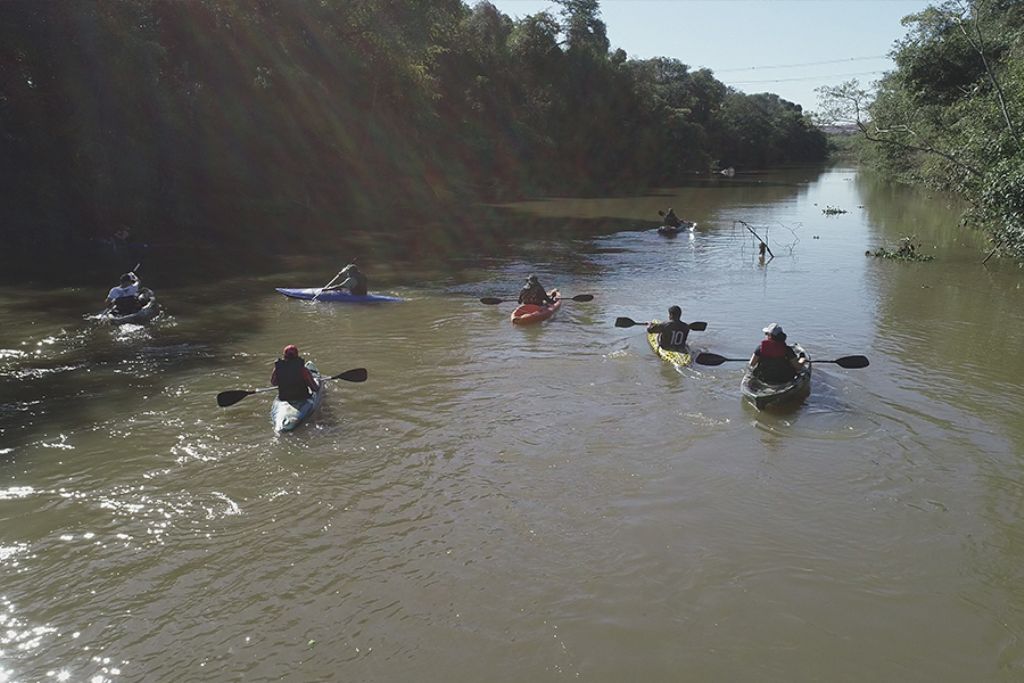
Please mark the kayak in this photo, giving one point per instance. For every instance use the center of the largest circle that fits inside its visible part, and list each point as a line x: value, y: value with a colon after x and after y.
x: 764, y: 395
x: 530, y: 314
x: 678, y: 358
x: 336, y: 296
x: 673, y: 230
x: 144, y: 314
x: 287, y: 415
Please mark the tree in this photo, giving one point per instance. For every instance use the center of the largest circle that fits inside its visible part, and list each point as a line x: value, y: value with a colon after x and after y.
x: 949, y: 115
x: 583, y: 27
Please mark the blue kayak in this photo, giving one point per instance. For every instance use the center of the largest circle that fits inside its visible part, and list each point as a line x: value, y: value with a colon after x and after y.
x: 337, y: 295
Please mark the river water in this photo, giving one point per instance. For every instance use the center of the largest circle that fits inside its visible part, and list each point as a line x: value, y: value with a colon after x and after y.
x: 550, y: 503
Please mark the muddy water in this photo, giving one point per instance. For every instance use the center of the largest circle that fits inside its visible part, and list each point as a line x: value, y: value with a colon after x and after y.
x: 509, y: 504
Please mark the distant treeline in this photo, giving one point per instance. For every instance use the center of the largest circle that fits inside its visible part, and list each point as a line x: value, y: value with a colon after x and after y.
x: 951, y: 115
x: 224, y: 121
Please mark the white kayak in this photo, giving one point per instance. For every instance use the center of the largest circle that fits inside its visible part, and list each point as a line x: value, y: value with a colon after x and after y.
x: 287, y: 415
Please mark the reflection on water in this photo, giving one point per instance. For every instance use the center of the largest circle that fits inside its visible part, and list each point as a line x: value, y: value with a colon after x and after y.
x: 534, y: 502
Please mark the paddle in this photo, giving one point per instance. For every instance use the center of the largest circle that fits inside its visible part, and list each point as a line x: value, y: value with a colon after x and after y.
x: 490, y: 300
x: 230, y: 398
x: 849, y: 362
x: 699, y: 326
x: 333, y: 280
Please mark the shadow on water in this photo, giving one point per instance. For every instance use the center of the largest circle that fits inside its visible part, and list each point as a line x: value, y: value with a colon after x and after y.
x: 57, y: 366
x: 471, y: 229
x: 444, y: 242
x: 64, y: 365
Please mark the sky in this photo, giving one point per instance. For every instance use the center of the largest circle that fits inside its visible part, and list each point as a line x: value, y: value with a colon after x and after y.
x: 787, y: 47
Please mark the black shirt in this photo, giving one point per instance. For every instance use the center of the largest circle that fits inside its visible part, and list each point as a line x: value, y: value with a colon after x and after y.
x: 672, y: 335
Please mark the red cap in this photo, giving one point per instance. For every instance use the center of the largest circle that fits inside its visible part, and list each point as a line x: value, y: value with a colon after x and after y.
x: 290, y: 351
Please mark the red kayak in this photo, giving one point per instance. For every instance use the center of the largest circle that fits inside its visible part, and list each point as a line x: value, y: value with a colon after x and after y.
x: 529, y: 314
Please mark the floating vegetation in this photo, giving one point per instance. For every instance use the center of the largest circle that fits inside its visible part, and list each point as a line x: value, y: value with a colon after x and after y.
x: 906, y: 251
x: 832, y: 210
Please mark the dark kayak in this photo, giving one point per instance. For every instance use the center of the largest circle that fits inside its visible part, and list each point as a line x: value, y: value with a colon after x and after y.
x: 336, y: 296
x: 149, y: 311
x: 673, y: 230
x: 764, y: 395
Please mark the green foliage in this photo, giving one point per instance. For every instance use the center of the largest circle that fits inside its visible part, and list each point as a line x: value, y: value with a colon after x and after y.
x: 215, y: 120
x: 951, y: 115
x: 906, y: 251
x: 762, y: 130
x: 583, y: 27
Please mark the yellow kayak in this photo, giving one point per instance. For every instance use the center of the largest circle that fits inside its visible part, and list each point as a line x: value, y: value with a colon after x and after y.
x: 678, y: 358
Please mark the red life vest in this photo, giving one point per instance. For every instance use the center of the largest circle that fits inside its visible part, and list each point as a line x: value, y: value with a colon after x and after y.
x: 774, y: 367
x: 773, y: 348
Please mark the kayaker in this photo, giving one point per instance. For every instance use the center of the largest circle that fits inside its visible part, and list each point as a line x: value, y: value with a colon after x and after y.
x: 355, y: 281
x: 671, y: 335
x: 775, y: 361
x: 534, y: 293
x: 124, y: 299
x: 671, y: 219
x: 293, y: 380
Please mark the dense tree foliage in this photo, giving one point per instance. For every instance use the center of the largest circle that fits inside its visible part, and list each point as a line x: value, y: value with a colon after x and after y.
x: 218, y: 119
x: 951, y: 114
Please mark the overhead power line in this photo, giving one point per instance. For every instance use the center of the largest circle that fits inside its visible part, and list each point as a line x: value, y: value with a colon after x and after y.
x: 790, y: 66
x: 807, y: 78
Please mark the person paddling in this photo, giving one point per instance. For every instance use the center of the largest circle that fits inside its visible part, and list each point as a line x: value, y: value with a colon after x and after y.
x: 355, y: 282
x: 124, y: 299
x: 534, y: 293
x: 672, y: 334
x: 774, y: 361
x: 293, y: 380
x: 671, y: 219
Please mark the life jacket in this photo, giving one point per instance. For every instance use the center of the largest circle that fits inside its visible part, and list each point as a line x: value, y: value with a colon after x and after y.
x: 773, y: 365
x: 125, y: 305
x: 673, y: 335
x: 291, y: 385
x: 533, y: 294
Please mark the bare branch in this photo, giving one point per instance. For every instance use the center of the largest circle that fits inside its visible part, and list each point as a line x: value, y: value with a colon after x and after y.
x: 848, y: 106
x: 927, y: 148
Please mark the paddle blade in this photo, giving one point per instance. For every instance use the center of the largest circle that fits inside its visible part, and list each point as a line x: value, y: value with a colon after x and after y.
x: 354, y: 375
x: 230, y: 398
x: 699, y: 326
x: 583, y: 297
x: 851, y: 362
x: 626, y: 322
x: 490, y: 300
